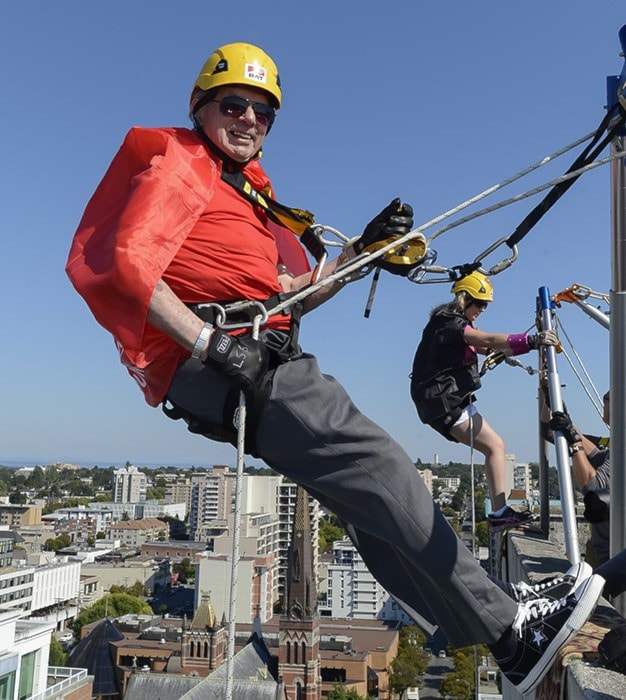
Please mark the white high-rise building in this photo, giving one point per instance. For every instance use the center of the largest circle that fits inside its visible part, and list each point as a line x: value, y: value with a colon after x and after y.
x: 129, y: 485
x: 352, y: 591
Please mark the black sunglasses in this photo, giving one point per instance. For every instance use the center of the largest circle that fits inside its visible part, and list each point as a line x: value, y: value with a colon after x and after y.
x: 480, y: 304
x: 235, y: 107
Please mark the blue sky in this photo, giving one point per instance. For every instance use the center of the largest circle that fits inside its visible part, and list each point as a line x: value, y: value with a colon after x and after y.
x: 432, y: 102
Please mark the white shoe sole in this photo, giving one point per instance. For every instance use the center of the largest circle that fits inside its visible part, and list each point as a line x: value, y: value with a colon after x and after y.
x: 587, y: 594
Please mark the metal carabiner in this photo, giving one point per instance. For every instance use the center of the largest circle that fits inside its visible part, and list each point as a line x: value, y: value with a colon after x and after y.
x: 221, y: 313
x: 498, y: 267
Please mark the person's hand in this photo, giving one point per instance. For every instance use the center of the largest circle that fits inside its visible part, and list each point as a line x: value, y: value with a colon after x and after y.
x: 563, y: 423
x: 241, y: 359
x: 396, y: 219
x: 542, y: 338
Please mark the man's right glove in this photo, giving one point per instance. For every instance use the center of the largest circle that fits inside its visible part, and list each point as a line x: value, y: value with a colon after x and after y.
x: 396, y: 219
x: 563, y: 423
x: 241, y: 359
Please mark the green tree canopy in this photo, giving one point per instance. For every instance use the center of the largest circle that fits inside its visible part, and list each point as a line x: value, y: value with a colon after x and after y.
x: 340, y: 692
x: 411, y: 662
x: 56, y: 657
x: 330, y: 530
x: 111, y: 605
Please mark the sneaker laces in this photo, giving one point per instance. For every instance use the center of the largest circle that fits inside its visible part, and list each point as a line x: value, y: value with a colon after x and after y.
x: 524, y: 587
x: 534, y: 610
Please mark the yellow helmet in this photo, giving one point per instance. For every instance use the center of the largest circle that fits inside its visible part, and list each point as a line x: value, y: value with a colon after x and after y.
x: 477, y: 285
x: 240, y: 64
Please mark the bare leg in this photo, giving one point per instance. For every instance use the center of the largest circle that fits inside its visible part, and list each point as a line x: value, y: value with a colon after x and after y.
x: 491, y: 445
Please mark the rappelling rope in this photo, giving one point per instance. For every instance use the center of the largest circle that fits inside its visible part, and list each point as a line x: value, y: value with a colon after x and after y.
x: 355, y: 264
x: 240, y: 422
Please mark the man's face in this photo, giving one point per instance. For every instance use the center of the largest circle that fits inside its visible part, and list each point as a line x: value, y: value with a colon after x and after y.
x: 239, y: 137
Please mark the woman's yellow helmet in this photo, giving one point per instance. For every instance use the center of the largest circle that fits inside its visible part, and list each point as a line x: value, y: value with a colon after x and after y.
x: 477, y: 285
x: 240, y: 64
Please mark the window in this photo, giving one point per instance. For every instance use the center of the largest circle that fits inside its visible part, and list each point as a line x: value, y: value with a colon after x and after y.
x: 27, y: 675
x: 7, y: 686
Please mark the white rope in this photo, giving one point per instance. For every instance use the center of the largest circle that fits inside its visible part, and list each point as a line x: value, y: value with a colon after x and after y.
x: 234, y: 571
x: 364, y: 259
x: 472, y: 477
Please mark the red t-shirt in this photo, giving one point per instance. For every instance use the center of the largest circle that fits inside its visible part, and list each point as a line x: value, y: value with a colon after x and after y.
x: 163, y: 211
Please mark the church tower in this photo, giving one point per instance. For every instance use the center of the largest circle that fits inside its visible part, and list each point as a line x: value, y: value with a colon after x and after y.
x: 299, y: 636
x: 204, y: 641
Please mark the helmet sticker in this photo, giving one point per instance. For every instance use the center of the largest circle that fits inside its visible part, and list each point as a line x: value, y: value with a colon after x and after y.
x: 221, y: 66
x: 255, y: 72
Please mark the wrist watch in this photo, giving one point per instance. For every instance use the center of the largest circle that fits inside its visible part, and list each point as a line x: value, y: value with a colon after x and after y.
x: 575, y: 448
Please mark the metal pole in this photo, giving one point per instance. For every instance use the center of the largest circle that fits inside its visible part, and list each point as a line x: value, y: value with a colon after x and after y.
x: 572, y: 548
x: 594, y: 313
x: 616, y: 91
x: 544, y: 485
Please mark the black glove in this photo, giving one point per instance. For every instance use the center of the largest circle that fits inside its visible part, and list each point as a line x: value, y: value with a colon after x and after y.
x: 396, y: 219
x: 241, y: 359
x: 542, y: 338
x: 563, y: 423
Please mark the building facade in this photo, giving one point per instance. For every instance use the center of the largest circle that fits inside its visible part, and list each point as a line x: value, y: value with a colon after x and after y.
x: 129, y: 485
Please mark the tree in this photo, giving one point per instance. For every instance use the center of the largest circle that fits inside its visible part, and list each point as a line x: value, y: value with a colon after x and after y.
x: 156, y: 493
x: 17, y: 498
x: 411, y: 662
x: 456, y: 686
x: 111, y: 605
x: 56, y: 657
x: 137, y: 589
x: 185, y: 570
x: 330, y: 530
x: 339, y: 692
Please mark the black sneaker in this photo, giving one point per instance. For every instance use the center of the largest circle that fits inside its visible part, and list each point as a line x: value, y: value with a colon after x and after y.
x: 542, y: 627
x: 554, y: 587
x: 510, y: 518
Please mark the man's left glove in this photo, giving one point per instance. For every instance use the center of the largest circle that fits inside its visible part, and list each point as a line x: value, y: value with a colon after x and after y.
x: 562, y: 422
x: 396, y: 219
x: 241, y: 359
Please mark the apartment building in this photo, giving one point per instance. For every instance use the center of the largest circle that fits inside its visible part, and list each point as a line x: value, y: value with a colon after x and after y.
x: 129, y: 485
x: 352, y: 591
x: 133, y: 533
x: 24, y: 670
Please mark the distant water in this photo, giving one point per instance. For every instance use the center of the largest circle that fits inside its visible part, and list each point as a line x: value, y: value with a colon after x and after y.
x: 12, y: 464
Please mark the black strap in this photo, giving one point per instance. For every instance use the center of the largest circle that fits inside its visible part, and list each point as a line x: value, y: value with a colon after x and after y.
x: 298, y: 221
x: 588, y: 155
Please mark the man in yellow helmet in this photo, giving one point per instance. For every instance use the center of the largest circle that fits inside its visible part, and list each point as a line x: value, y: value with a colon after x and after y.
x: 181, y: 222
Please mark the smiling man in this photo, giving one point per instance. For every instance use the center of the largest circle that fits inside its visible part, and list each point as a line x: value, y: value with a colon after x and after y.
x: 184, y: 225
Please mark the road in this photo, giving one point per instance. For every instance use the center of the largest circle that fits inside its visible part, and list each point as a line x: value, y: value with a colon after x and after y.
x: 437, y: 669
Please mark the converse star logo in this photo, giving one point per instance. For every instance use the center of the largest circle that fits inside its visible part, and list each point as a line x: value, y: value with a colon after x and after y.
x: 539, y: 638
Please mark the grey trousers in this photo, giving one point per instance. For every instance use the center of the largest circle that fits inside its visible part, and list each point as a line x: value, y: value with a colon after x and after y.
x: 311, y: 432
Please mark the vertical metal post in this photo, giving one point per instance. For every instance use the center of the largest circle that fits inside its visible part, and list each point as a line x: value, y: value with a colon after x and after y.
x: 544, y: 483
x: 617, y: 91
x: 572, y: 548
